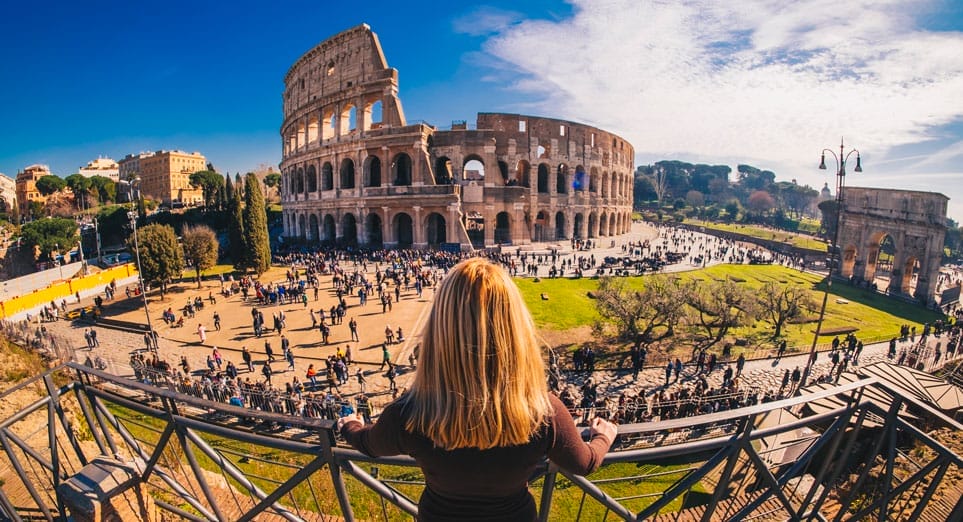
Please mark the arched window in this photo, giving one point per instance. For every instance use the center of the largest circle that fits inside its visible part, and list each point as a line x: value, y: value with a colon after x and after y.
x: 372, y: 171
x: 561, y: 179
x: 347, y: 173
x: 542, y: 178
x: 313, y: 128
x: 522, y: 174
x: 299, y: 188
x: 474, y: 169
x: 312, y: 178
x: 401, y: 170
x: 374, y: 115
x: 327, y: 177
x: 443, y: 173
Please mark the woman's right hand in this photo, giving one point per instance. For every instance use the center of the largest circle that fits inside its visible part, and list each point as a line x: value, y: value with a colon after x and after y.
x: 605, y: 428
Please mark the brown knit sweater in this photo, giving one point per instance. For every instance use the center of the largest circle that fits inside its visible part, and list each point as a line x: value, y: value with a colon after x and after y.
x: 474, y: 484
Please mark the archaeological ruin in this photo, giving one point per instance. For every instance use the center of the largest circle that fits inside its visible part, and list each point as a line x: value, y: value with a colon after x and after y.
x: 355, y: 172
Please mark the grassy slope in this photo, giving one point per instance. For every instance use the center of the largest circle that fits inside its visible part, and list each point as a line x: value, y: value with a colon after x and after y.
x: 569, y: 306
x: 798, y: 240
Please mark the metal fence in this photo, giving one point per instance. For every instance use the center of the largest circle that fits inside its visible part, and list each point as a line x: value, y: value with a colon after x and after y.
x: 207, y: 460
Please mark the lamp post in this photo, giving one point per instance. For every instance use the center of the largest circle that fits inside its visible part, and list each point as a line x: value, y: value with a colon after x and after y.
x: 835, y: 255
x: 132, y: 215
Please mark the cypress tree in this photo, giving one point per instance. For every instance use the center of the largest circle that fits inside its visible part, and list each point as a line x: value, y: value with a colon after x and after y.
x: 235, y: 226
x: 228, y: 191
x: 257, y: 245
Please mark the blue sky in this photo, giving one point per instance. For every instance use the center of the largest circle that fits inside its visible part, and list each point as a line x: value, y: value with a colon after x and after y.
x: 764, y: 82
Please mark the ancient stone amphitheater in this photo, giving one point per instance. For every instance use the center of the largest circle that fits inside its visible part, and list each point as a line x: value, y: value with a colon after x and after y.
x: 355, y: 172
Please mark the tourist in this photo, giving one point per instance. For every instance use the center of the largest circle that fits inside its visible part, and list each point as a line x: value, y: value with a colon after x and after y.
x: 478, y: 436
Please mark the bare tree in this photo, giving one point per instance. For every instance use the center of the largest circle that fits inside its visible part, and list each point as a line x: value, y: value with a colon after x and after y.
x: 782, y: 303
x: 719, y: 306
x: 644, y: 315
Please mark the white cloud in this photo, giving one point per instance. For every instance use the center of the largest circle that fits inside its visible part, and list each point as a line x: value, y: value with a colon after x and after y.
x: 485, y: 20
x: 763, y: 82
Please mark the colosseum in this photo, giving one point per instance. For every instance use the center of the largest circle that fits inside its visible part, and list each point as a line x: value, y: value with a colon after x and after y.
x: 355, y: 172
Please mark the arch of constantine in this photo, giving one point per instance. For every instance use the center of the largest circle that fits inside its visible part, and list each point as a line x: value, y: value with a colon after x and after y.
x: 355, y: 172
x: 894, y: 234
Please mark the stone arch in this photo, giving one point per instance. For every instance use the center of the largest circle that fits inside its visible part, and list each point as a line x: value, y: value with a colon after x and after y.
x: 312, y: 178
x: 579, y: 181
x: 605, y: 185
x: 907, y: 278
x: 848, y: 261
x: 614, y: 191
x: 879, y: 256
x: 603, y: 224
x: 327, y: 176
x: 372, y: 171
x: 328, y: 125
x: 560, y: 225
x: 473, y: 169
x: 541, y: 233
x: 373, y: 113
x: 301, y: 227
x: 299, y: 181
x: 302, y: 133
x: 443, y: 172
x: 404, y: 230
x: 593, y: 181
x: 503, y: 228
x: 436, y: 229
x: 374, y: 231
x: 503, y: 169
x: 314, y: 230
x: 593, y: 225
x: 328, y: 228
x: 347, y: 173
x: 348, y: 119
x: 578, y: 226
x: 613, y: 225
x: 561, y: 179
x: 401, y: 169
x: 349, y: 230
x: 314, y: 127
x: 542, y: 178
x: 522, y: 174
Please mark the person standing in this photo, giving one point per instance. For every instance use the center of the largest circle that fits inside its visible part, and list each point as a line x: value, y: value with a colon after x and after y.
x: 479, y: 435
x: 217, y: 321
x: 740, y: 364
x: 269, y: 351
x: 361, y: 380
x: 289, y: 355
x: 668, y: 372
x: 201, y: 333
x: 267, y: 372
x: 246, y: 357
x: 217, y: 358
x: 353, y: 326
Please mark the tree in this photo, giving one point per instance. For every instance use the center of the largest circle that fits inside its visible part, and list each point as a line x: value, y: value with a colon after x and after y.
x: 782, y: 303
x: 161, y: 256
x: 228, y: 190
x: 106, y: 189
x: 720, y: 306
x: 235, y: 228
x: 732, y: 210
x: 48, y: 235
x: 36, y: 209
x: 200, y: 248
x: 645, y: 315
x: 210, y: 183
x: 273, y: 180
x: 50, y: 184
x: 761, y: 202
x: 695, y: 199
x: 830, y: 216
x: 257, y: 245
x: 80, y: 186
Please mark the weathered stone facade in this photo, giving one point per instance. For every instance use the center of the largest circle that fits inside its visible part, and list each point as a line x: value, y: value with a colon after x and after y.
x: 354, y: 172
x: 914, y: 221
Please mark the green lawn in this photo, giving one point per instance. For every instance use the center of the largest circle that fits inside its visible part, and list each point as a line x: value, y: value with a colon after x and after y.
x: 796, y: 240
x: 189, y: 273
x: 873, y: 315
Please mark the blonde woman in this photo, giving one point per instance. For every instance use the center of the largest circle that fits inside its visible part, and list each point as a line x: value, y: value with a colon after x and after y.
x: 479, y: 417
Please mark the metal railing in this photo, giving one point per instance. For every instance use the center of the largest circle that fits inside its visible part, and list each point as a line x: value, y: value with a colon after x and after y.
x: 207, y: 460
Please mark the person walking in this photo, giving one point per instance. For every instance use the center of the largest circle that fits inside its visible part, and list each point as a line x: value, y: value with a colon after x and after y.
x: 269, y: 351
x: 361, y: 380
x: 289, y: 355
x: 476, y: 433
x: 267, y: 372
x: 353, y: 326
x: 385, y: 356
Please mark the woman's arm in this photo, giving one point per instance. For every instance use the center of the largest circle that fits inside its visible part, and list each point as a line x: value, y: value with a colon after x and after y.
x: 569, y: 451
x: 375, y: 440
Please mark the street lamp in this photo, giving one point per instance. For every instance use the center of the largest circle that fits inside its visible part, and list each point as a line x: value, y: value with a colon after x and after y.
x: 841, y: 160
x: 132, y: 215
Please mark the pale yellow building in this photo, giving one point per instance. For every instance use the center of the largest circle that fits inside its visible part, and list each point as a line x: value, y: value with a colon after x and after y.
x: 165, y: 174
x: 27, y: 185
x: 105, y: 167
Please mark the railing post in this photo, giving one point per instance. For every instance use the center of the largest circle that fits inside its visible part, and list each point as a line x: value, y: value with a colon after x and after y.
x: 327, y: 443
x: 548, y: 488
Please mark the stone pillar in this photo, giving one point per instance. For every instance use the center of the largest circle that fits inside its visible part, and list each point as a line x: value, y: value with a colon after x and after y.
x: 418, y: 236
x: 107, y: 490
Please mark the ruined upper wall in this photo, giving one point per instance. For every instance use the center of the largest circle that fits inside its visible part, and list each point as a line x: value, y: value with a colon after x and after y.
x: 342, y: 69
x: 559, y: 138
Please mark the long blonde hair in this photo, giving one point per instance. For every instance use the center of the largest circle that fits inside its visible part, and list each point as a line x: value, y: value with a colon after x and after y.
x: 481, y: 380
